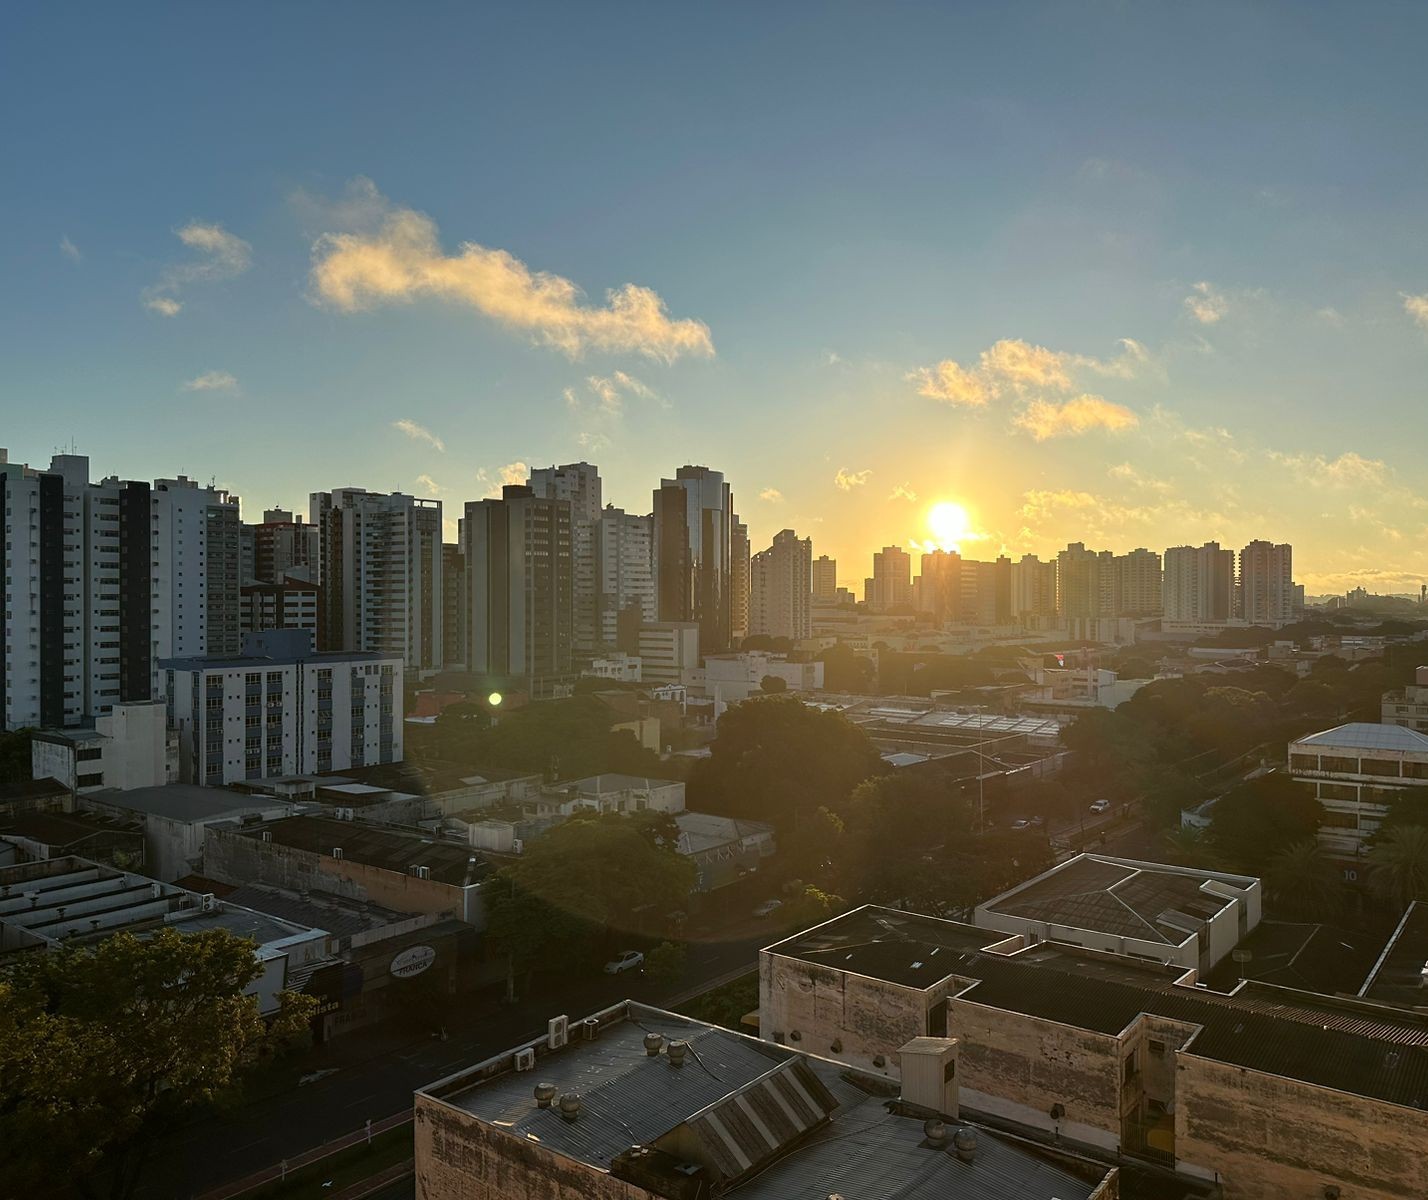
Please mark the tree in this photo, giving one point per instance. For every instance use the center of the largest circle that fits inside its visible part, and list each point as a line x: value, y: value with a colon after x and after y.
x: 1188, y: 846
x: 1398, y: 866
x: 102, y: 1048
x: 772, y: 684
x: 15, y: 756
x: 665, y: 962
x: 1305, y: 883
x: 844, y: 670
x: 569, y: 739
x: 1253, y: 822
x: 811, y: 906
x: 887, y: 818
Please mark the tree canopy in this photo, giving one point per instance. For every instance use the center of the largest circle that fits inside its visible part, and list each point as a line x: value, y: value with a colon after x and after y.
x: 15, y: 756
x: 1252, y: 823
x: 1398, y: 866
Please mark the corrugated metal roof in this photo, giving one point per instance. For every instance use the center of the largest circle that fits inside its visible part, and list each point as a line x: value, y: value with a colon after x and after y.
x: 1364, y: 735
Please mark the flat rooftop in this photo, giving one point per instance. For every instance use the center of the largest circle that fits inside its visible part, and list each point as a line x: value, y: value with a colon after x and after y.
x: 373, y: 846
x: 764, y: 1122
x: 1400, y: 976
x: 1121, y: 898
x: 187, y: 802
x: 1345, y: 1044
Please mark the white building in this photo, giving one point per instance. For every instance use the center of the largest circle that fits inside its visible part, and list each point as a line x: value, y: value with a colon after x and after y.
x: 579, y: 485
x: 1356, y: 771
x: 1199, y: 583
x: 621, y: 668
x: 668, y: 650
x: 781, y: 588
x: 282, y: 709
x: 1266, y: 584
x: 1033, y: 590
x: 728, y: 678
x: 609, y: 793
x: 624, y: 573
x: 1409, y: 706
x: 131, y: 746
x: 381, y: 574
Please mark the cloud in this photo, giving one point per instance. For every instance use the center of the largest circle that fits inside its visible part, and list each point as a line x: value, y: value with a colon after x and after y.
x: 1128, y: 474
x: 429, y: 484
x: 1045, y: 419
x: 1417, y: 308
x: 591, y: 441
x: 400, y: 259
x: 212, y: 381
x: 1348, y: 470
x: 70, y: 250
x: 772, y: 495
x: 220, y: 255
x: 611, y: 391
x: 1205, y: 304
x: 419, y: 433
x: 494, y: 480
x: 951, y: 382
x: 1330, y: 316
x: 846, y: 480
x: 903, y: 491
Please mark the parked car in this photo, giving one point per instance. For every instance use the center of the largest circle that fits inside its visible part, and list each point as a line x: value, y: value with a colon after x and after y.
x: 768, y: 908
x: 626, y: 960
x: 1021, y: 823
x: 1038, y: 821
x: 1101, y: 806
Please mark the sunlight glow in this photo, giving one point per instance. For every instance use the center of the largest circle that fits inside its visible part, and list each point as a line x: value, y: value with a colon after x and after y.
x: 949, y: 524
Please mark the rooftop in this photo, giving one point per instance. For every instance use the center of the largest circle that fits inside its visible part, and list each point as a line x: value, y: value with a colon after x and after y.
x: 613, y: 781
x: 1364, y: 735
x: 373, y: 846
x: 1344, y: 1044
x: 187, y: 802
x: 1400, y: 976
x: 1312, y: 958
x: 746, y: 1117
x: 1121, y: 898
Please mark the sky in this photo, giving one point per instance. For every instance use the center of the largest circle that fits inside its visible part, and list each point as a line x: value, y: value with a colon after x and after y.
x: 1128, y: 274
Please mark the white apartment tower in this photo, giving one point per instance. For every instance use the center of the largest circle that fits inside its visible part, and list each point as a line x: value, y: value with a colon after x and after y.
x: 381, y: 575
x: 1033, y: 589
x: 825, y: 579
x: 624, y: 578
x: 579, y: 485
x: 780, y: 594
x: 1199, y: 583
x: 1266, y: 586
x: 1140, y: 584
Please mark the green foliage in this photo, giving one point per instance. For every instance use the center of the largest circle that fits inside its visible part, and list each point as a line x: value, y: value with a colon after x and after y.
x: 809, y: 907
x: 15, y: 756
x: 922, y: 674
x: 665, y: 963
x: 102, y: 1047
x: 772, y: 684
x: 728, y: 1004
x: 1304, y: 883
x: 1398, y: 866
x: 1255, y: 821
x: 1188, y: 846
x: 886, y: 818
x: 844, y: 670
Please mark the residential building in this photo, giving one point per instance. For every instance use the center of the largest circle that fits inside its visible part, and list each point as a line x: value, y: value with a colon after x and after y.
x: 520, y: 584
x: 1147, y: 910
x: 724, y: 849
x: 728, y: 678
x: 611, y: 792
x: 938, y: 586
x: 1356, y: 771
x: 633, y: 1103
x: 130, y: 746
x: 281, y: 708
x: 619, y: 667
x: 1266, y: 584
x: 1140, y: 584
x: 579, y: 485
x: 1085, y: 583
x: 1199, y: 583
x: 669, y: 650
x: 380, y: 570
x: 291, y: 602
x: 693, y: 531
x: 279, y: 545
x: 825, y: 579
x: 740, y: 582
x: 455, y: 613
x: 1263, y: 1091
x: 1033, y: 590
x: 624, y: 577
x: 890, y: 585
x: 1409, y: 706
x: 780, y: 595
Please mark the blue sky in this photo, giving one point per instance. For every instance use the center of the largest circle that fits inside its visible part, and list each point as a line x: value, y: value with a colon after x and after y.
x: 1138, y: 274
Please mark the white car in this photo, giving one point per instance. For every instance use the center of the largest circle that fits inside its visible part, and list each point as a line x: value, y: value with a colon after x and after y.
x: 1021, y: 823
x: 1101, y: 806
x: 768, y: 908
x: 628, y: 960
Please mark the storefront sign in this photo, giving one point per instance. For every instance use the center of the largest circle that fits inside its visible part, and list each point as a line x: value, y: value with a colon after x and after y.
x: 412, y: 961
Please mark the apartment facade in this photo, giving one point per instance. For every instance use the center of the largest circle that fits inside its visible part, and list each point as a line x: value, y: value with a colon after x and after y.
x: 455, y: 615
x: 693, y: 553
x: 825, y: 578
x: 668, y: 651
x: 1033, y: 590
x: 890, y: 585
x: 1266, y: 584
x: 1409, y: 706
x: 1199, y: 583
x: 579, y: 485
x: 780, y: 594
x: 292, y: 602
x: 740, y: 582
x: 624, y: 576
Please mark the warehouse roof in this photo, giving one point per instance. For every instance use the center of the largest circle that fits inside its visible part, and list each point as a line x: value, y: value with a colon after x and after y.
x: 1365, y: 735
x: 1400, y: 976
x: 387, y: 849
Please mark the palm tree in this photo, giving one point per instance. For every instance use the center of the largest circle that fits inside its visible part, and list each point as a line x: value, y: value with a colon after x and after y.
x: 1305, y: 882
x: 1399, y: 866
x: 1187, y: 846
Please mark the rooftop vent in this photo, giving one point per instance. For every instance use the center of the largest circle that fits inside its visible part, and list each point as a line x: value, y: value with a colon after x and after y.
x: 589, y: 1029
x: 654, y: 1042
x: 964, y: 1141
x: 544, y: 1094
x: 935, y: 1132
x: 570, y: 1105
x: 677, y: 1051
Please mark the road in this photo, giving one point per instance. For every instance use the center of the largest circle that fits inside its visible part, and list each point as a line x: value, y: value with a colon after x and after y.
x: 372, y: 1074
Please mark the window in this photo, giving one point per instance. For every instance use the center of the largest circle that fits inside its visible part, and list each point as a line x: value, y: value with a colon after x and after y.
x: 1130, y: 1066
x: 1156, y: 1047
x: 95, y: 780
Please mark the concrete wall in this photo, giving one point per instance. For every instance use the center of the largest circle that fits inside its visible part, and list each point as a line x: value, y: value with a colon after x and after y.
x: 459, y: 1158
x: 1279, y: 1139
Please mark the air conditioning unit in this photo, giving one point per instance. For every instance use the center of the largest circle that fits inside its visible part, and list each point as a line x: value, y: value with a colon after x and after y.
x: 525, y: 1059
x: 267, y: 835
x: 557, y: 1032
x: 336, y: 851
x: 210, y: 901
x: 518, y: 846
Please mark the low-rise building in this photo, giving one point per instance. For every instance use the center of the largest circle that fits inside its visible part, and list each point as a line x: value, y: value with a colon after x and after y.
x: 724, y: 849
x: 1409, y: 706
x: 668, y: 649
x: 729, y: 678
x: 40, y: 834
x: 619, y: 667
x: 1269, y: 1092
x: 1356, y: 771
x: 1167, y: 914
x: 634, y: 1103
x: 1400, y: 973
x: 608, y: 793
x: 130, y: 746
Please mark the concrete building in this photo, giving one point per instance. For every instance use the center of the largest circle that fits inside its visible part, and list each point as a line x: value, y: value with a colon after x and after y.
x: 780, y: 595
x: 724, y: 849
x: 579, y: 485
x: 74, y: 902
x: 381, y: 574
x: 938, y: 586
x: 740, y: 582
x: 624, y: 578
x: 621, y: 668
x: 825, y: 579
x: 611, y: 792
x: 1265, y: 594
x: 890, y: 585
x: 455, y: 608
x: 1267, y: 1092
x: 1140, y: 584
x: 280, y: 708
x: 520, y: 585
x: 1170, y: 915
x: 279, y: 546
x: 131, y: 746
x: 1408, y: 706
x: 1356, y: 771
x: 633, y: 1103
x: 669, y: 650
x: 729, y: 678
x: 693, y: 553
x: 291, y: 602
x: 1199, y: 583
x: 1033, y: 590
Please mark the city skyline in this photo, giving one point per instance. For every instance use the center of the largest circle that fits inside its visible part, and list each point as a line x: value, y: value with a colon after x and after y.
x: 1051, y: 294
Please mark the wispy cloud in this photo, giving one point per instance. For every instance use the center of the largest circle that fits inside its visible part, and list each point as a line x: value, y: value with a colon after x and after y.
x: 903, y: 491
x: 419, y: 433
x: 1126, y: 473
x: 846, y: 480
x: 429, y: 484
x: 70, y: 250
x: 211, y: 381
x: 495, y: 479
x: 612, y: 389
x: 1347, y: 470
x: 220, y: 255
x: 772, y: 495
x: 1045, y: 419
x: 399, y: 259
x: 1417, y: 308
x: 1205, y: 304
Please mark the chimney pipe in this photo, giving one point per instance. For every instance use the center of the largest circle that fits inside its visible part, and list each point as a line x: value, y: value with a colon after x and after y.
x: 544, y: 1094
x: 570, y: 1106
x: 676, y: 1052
x: 964, y: 1141
x: 654, y: 1042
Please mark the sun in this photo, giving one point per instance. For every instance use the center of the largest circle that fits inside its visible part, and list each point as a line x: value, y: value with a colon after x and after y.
x: 949, y: 523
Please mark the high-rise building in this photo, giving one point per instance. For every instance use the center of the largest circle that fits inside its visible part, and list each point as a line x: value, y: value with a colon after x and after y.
x: 693, y: 527
x: 938, y: 587
x: 1139, y: 581
x: 825, y: 579
x: 380, y: 567
x: 624, y: 578
x: 280, y: 546
x: 1033, y: 589
x: 197, y: 573
x: 455, y: 617
x: 1199, y: 583
x: 1096, y: 583
x: 1266, y: 585
x: 293, y: 602
x: 740, y: 582
x: 781, y: 594
x: 579, y: 484
x: 1079, y: 582
x: 519, y: 567
x: 890, y: 585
